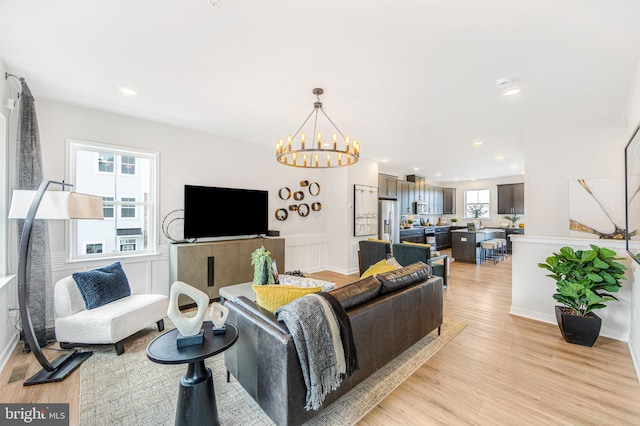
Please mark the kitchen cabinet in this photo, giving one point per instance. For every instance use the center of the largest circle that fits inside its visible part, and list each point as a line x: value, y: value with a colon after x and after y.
x: 443, y: 237
x: 406, y: 195
x: 412, y: 235
x: 387, y: 187
x: 511, y: 231
x: 511, y: 199
x: 449, y: 201
x: 420, y: 187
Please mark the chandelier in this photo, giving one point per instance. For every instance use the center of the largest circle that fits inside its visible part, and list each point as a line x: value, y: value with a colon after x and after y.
x: 317, y: 153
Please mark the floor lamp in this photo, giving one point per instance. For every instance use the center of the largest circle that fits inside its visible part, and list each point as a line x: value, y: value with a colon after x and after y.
x: 43, y: 204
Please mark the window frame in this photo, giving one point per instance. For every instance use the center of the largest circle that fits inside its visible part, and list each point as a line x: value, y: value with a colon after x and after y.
x: 150, y: 203
x: 466, y: 203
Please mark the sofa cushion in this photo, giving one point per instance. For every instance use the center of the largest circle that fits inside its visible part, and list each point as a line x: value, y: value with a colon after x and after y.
x: 403, y: 277
x: 378, y: 268
x: 271, y: 297
x: 103, y: 285
x: 357, y: 293
x: 305, y: 282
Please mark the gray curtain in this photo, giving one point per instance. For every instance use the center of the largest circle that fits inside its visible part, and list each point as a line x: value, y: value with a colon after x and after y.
x: 29, y: 176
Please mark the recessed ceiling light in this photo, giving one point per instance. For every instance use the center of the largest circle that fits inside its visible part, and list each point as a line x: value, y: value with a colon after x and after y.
x: 478, y: 143
x: 438, y: 174
x: 513, y: 166
x: 384, y: 160
x: 127, y: 91
x: 415, y: 169
x: 511, y: 91
x: 499, y: 157
x: 506, y: 85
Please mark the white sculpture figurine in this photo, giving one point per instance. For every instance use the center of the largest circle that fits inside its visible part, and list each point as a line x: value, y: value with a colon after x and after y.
x: 218, y: 315
x: 187, y: 325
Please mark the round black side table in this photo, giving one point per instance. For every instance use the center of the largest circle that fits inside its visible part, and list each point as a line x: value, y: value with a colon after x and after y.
x: 196, y: 396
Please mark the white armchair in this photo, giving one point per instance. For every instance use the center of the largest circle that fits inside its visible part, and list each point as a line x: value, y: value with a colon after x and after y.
x: 108, y: 324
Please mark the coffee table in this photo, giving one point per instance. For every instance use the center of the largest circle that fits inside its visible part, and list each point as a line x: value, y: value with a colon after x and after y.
x: 196, y: 395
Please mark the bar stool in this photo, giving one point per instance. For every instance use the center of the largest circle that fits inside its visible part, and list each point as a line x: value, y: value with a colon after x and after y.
x: 488, y: 251
x: 503, y: 247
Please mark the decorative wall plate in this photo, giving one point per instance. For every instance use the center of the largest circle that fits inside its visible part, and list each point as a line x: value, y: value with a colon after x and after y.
x: 317, y: 206
x: 284, y: 193
x: 304, y: 183
x: 314, y: 189
x: 298, y: 195
x: 303, y: 209
x: 293, y: 207
x: 282, y: 214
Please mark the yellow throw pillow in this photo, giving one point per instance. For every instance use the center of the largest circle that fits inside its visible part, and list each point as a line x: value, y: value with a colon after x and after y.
x: 378, y: 268
x: 417, y: 244
x: 379, y: 241
x: 271, y: 297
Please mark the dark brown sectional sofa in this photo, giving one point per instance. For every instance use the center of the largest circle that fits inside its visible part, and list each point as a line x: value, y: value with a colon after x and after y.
x: 388, y: 313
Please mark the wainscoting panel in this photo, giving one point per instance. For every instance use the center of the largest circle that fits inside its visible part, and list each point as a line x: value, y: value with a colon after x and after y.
x: 146, y: 274
x: 305, y: 252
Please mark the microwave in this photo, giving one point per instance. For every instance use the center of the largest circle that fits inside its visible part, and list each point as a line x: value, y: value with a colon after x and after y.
x: 420, y: 208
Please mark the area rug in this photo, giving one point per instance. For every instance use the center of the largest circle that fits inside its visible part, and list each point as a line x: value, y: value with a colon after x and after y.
x: 131, y: 390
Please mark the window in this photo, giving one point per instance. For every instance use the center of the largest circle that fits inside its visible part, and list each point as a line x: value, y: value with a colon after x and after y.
x: 130, y: 204
x: 477, y: 203
x: 128, y: 210
x: 128, y: 245
x: 105, y: 162
x: 107, y: 207
x: 93, y: 248
x: 128, y: 165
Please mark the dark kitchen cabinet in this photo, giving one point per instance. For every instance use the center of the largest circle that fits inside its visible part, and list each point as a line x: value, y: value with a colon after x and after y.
x: 412, y: 235
x: 387, y: 187
x: 406, y: 196
x: 420, y: 187
x: 449, y: 201
x: 511, y: 199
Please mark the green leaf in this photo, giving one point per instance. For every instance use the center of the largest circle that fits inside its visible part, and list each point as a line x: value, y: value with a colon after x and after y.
x: 588, y: 255
x: 594, y: 277
x: 607, y: 253
x: 568, y: 252
x: 600, y: 264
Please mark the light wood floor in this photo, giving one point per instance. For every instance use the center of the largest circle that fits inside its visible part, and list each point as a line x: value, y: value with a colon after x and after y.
x: 501, y: 369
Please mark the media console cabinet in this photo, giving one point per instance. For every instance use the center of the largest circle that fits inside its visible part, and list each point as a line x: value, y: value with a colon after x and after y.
x: 209, y: 266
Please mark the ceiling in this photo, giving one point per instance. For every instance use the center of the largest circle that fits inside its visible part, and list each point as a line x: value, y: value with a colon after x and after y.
x: 413, y: 80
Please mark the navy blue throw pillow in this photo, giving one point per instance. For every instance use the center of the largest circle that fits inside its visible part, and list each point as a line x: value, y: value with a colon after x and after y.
x: 103, y: 285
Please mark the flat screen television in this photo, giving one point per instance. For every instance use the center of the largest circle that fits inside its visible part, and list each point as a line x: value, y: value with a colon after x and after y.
x: 224, y: 212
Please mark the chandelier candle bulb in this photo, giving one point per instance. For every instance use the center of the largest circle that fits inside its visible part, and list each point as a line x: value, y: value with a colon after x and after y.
x: 289, y: 139
x: 295, y: 158
x: 328, y: 160
x: 304, y: 159
x: 316, y: 157
x: 339, y: 158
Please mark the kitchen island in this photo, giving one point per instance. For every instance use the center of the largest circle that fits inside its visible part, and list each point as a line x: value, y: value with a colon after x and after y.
x: 465, y: 244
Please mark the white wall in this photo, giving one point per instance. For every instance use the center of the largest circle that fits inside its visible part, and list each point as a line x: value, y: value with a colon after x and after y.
x: 557, y: 155
x: 532, y: 293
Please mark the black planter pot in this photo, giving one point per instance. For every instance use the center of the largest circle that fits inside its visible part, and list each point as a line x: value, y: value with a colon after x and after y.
x: 579, y: 330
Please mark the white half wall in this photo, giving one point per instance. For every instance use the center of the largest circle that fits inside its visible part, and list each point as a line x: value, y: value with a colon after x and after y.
x: 532, y: 291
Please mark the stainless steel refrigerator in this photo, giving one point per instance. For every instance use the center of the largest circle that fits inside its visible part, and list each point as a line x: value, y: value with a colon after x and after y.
x: 389, y: 220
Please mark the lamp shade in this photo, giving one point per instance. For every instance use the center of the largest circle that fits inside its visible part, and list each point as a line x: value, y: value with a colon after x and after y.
x: 57, y: 205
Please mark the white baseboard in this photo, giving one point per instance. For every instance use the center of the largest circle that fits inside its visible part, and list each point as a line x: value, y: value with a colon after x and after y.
x: 4, y: 358
x: 635, y: 359
x: 551, y: 319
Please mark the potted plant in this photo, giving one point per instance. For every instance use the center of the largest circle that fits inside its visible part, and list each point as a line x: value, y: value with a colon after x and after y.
x: 585, y: 280
x: 513, y: 219
x: 262, y: 271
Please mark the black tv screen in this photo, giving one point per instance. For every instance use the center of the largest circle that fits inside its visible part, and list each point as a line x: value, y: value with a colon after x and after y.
x: 223, y: 212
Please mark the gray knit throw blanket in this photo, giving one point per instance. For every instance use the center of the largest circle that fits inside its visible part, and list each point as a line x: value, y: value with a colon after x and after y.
x: 305, y: 318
